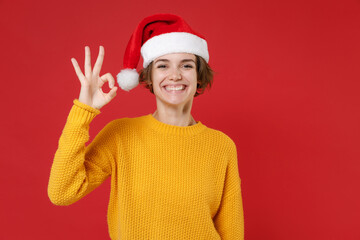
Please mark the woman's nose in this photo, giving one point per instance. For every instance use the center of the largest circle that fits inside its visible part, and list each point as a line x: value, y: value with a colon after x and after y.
x: 175, y: 74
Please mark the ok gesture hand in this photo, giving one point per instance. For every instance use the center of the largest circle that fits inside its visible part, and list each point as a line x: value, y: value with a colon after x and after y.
x: 91, y: 84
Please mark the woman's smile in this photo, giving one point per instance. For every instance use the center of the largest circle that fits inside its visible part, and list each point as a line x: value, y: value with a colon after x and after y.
x: 175, y: 88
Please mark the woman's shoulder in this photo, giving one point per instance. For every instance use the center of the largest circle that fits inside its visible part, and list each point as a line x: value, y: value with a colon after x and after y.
x: 121, y: 127
x: 125, y: 122
x: 219, y: 136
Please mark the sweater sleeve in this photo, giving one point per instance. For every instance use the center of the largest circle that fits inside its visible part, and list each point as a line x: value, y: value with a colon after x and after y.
x: 77, y: 169
x: 229, y: 220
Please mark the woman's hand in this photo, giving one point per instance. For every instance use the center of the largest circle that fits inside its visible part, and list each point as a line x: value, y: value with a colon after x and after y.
x: 91, y: 84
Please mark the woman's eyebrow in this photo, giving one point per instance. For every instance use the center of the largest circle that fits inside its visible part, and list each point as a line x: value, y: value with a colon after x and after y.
x: 187, y: 60
x: 167, y: 60
x: 164, y: 60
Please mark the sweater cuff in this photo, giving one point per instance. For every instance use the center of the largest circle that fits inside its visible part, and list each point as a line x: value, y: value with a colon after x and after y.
x: 82, y: 113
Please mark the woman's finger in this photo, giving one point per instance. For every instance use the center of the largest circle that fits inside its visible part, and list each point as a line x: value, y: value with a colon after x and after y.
x: 87, y: 63
x: 77, y: 70
x: 111, y: 94
x: 107, y: 78
x: 99, y: 61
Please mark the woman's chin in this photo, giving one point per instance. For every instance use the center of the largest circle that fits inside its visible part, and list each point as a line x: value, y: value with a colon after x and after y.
x: 174, y: 100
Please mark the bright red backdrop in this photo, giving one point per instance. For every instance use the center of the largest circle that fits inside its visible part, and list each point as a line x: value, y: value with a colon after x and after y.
x: 286, y: 91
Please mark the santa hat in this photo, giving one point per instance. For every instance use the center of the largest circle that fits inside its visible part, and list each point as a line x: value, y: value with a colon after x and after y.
x: 155, y: 36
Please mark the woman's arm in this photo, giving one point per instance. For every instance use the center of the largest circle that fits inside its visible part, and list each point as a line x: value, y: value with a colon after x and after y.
x: 229, y: 220
x: 78, y: 169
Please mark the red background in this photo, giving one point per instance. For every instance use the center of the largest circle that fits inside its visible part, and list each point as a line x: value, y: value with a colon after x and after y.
x: 286, y: 90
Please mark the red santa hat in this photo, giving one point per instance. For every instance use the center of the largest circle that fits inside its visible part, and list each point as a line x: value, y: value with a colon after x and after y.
x: 155, y: 36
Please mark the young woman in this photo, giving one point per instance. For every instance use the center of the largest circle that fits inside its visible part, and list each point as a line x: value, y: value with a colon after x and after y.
x: 171, y: 176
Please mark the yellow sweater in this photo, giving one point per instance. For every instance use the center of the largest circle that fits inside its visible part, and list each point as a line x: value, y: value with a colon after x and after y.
x: 167, y: 182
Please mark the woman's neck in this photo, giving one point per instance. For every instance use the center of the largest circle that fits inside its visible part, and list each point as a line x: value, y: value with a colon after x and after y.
x: 174, y: 115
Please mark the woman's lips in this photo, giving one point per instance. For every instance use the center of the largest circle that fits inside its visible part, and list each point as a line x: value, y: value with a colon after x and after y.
x: 175, y: 88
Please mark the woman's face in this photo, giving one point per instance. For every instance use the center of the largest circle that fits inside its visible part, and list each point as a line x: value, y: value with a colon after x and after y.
x: 174, y: 78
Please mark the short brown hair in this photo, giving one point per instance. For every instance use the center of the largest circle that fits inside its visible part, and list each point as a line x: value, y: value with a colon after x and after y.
x: 203, y: 71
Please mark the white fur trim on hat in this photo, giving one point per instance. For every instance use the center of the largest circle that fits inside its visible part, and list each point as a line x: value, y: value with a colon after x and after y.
x: 128, y: 79
x: 174, y: 42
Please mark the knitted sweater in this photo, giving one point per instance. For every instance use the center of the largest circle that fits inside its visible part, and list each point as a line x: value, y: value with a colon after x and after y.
x: 167, y: 182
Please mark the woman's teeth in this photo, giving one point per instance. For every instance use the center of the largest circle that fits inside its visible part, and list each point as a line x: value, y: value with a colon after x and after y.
x: 175, y: 88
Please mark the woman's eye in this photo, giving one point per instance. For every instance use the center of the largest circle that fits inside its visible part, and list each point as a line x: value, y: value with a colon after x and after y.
x: 188, y: 66
x: 161, y: 66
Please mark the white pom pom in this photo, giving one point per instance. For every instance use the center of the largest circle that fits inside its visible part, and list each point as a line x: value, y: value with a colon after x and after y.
x: 128, y: 79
